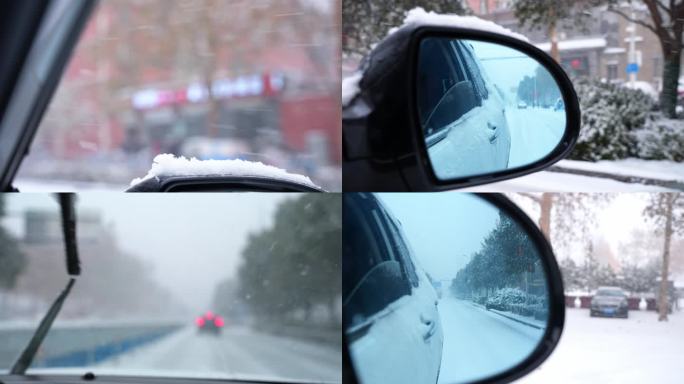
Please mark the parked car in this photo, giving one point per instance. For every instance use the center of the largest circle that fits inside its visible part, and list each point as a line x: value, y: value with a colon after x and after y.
x: 559, y: 105
x: 522, y: 105
x: 609, y: 301
x: 385, y: 290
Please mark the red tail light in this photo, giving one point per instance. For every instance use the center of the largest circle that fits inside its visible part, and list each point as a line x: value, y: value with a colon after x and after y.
x: 218, y: 321
x: 209, y: 315
x: 199, y: 321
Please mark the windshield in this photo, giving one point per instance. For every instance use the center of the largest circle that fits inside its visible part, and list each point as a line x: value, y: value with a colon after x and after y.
x: 244, y: 286
x: 222, y: 80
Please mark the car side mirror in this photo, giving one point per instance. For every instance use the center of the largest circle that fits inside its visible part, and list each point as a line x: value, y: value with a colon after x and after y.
x: 487, y: 303
x: 441, y: 107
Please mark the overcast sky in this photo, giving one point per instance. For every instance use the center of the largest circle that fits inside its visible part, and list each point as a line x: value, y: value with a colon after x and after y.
x: 192, y: 240
x: 445, y: 228
x: 505, y: 67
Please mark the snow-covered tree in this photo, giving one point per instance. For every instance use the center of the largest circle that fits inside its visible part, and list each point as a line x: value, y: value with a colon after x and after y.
x: 550, y: 14
x: 610, y: 116
x: 366, y: 22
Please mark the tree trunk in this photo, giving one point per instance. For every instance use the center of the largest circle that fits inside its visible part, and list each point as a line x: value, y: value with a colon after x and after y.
x: 545, y: 216
x: 662, y: 294
x: 553, y: 36
x: 671, y: 72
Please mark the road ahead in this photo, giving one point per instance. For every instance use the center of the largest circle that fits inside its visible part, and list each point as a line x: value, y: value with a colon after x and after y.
x: 485, y: 340
x: 238, y: 352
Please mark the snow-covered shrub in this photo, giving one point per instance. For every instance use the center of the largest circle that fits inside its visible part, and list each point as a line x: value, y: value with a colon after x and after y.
x: 516, y: 301
x: 609, y: 115
x: 660, y: 139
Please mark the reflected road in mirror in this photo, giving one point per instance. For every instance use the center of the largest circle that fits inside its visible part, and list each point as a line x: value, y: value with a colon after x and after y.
x: 468, y: 298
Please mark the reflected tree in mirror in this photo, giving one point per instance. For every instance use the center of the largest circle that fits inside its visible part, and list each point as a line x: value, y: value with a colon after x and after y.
x: 485, y: 107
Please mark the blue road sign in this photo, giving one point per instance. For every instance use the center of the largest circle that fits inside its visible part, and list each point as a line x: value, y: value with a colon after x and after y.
x: 632, y: 68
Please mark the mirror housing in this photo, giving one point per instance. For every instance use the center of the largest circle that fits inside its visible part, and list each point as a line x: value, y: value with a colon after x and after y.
x: 219, y: 183
x: 555, y: 317
x: 384, y: 147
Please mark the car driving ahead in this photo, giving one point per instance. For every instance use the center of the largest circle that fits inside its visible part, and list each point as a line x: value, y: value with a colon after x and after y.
x: 610, y: 302
x: 210, y: 323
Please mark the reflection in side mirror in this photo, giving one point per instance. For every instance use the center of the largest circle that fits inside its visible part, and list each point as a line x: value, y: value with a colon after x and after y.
x: 477, y: 292
x: 485, y: 107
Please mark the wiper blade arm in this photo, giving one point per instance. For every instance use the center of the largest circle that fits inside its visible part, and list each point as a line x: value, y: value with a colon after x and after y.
x: 26, y: 358
x: 68, y: 211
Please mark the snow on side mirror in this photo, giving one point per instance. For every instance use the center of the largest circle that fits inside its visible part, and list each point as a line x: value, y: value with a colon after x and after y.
x: 447, y: 102
x: 485, y: 302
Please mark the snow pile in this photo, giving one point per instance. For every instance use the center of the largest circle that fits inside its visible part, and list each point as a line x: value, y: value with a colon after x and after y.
x: 516, y: 301
x: 650, y: 169
x: 170, y: 165
x: 644, y: 87
x: 611, y: 351
x: 350, y: 87
x: 610, y: 115
x: 420, y: 17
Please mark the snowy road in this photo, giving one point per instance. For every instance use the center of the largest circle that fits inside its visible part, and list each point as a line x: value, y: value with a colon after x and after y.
x: 611, y: 351
x: 535, y: 132
x: 486, y: 341
x: 238, y: 352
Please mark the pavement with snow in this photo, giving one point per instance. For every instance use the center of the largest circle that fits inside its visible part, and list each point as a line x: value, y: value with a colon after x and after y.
x: 611, y: 351
x: 478, y: 343
x: 239, y: 352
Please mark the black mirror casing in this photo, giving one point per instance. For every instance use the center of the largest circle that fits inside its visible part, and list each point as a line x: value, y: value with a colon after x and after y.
x: 383, y: 144
x: 556, y: 318
x: 219, y: 184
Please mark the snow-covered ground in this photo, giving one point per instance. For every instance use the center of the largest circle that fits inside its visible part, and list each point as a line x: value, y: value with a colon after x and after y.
x: 611, y: 351
x: 602, y: 176
x: 237, y: 352
x: 563, y: 182
x: 479, y: 343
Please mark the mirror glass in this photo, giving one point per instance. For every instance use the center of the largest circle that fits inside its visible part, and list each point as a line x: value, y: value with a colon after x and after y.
x: 438, y: 288
x: 485, y: 107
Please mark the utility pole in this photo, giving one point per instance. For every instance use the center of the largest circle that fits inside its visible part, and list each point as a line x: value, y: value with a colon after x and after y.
x: 632, y: 47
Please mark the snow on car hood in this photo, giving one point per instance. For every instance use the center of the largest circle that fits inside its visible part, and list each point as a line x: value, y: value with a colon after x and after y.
x: 170, y: 165
x: 419, y: 16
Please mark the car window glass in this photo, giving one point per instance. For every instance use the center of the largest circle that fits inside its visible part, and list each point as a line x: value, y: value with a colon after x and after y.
x: 374, y: 278
x: 440, y: 72
x: 150, y: 77
x: 403, y: 251
x: 222, y: 286
x: 473, y: 70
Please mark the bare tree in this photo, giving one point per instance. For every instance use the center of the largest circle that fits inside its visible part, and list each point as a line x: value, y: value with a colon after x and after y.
x: 667, y: 23
x: 666, y: 210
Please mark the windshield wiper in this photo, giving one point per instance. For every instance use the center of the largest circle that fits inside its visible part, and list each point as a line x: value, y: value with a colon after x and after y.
x: 24, y: 361
x: 68, y: 213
